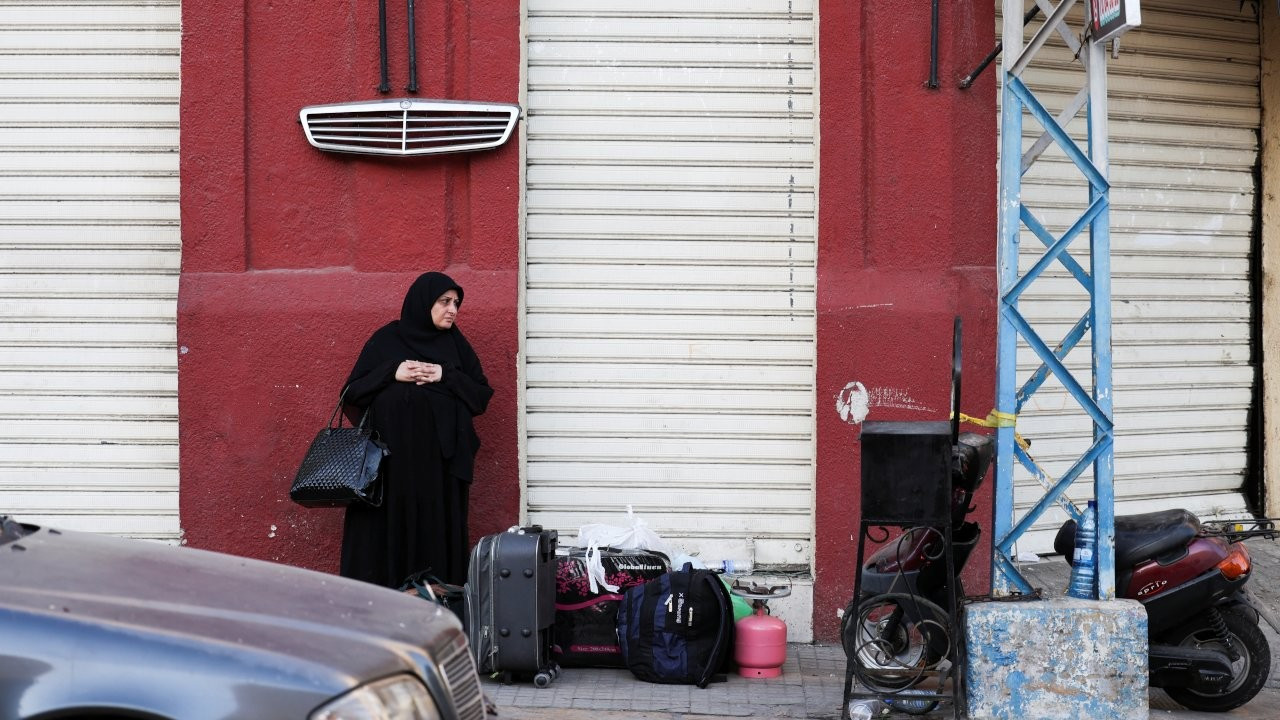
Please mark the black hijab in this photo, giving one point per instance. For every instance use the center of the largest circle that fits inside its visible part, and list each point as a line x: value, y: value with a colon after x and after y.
x: 416, y: 328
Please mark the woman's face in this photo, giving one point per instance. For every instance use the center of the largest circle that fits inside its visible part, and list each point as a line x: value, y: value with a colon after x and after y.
x: 445, y: 311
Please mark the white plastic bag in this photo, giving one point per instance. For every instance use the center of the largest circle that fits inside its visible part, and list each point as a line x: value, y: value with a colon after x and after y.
x: 595, y: 571
x: 635, y: 535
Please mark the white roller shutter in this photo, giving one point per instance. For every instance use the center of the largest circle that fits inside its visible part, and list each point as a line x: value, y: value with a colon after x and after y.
x: 89, y: 258
x: 669, y: 275
x: 1184, y: 119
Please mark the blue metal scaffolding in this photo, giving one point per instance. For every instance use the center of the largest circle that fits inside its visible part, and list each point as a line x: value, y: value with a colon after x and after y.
x: 1019, y: 102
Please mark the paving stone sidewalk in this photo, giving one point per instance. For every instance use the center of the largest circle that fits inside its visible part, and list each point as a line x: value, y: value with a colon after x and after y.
x: 811, y: 685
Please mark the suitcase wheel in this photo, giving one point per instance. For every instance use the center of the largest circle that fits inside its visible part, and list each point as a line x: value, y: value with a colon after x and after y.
x: 542, y: 679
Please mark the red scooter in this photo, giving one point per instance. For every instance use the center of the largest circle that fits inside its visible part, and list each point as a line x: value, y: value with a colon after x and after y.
x: 1206, y: 649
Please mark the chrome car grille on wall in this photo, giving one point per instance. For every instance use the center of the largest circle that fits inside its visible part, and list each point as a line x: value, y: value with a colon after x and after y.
x: 408, y: 127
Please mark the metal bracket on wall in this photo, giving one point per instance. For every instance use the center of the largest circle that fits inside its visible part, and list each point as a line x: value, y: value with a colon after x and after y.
x: 967, y: 80
x: 384, y: 83
x: 933, y: 45
x: 1094, y: 397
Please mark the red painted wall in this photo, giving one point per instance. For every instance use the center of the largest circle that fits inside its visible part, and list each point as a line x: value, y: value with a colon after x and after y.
x: 906, y: 241
x: 291, y: 256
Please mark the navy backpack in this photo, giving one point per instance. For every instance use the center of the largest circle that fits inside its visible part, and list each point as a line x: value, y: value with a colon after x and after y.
x: 677, y: 628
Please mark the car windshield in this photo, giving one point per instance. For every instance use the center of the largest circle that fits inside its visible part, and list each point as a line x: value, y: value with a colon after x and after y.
x: 11, y: 529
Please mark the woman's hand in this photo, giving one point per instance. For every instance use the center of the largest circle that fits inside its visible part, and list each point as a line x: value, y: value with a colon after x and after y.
x: 419, y: 373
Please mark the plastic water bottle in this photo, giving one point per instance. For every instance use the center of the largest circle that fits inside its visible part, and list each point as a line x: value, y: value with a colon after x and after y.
x: 1084, y: 564
x: 732, y: 567
x: 904, y: 701
x: 866, y: 709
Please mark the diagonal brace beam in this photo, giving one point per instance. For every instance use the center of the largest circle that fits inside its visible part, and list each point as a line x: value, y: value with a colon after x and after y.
x: 1073, y: 151
x: 1046, y: 238
x: 1038, y: 40
x: 1057, y: 248
x: 1085, y: 461
x: 1066, y: 116
x: 1082, y: 396
x: 1069, y: 342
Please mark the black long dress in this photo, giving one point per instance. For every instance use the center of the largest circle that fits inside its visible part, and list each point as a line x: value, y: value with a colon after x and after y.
x: 422, y: 522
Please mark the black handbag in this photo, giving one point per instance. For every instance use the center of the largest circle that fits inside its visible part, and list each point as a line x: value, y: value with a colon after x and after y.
x: 341, y: 466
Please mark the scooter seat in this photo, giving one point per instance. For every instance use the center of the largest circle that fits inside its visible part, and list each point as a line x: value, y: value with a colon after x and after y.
x: 1138, y: 537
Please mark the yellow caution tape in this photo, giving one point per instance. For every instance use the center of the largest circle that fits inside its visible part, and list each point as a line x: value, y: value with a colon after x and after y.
x: 998, y: 419
x: 994, y: 419
x: 1001, y: 419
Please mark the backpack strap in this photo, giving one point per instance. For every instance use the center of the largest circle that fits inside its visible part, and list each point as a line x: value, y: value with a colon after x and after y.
x: 722, y: 634
x: 681, y: 587
x: 640, y: 655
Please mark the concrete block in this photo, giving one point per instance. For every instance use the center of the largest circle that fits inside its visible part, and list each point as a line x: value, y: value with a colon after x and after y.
x: 1059, y: 659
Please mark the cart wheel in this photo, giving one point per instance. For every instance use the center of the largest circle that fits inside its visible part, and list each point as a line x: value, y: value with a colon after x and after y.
x: 542, y: 679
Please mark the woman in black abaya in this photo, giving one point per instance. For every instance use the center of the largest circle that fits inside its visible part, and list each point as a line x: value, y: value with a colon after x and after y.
x: 422, y: 384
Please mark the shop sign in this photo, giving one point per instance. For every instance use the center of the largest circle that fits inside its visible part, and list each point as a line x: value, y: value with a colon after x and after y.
x: 1112, y: 18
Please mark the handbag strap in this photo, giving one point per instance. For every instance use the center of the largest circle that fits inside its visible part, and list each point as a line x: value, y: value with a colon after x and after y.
x: 337, y: 412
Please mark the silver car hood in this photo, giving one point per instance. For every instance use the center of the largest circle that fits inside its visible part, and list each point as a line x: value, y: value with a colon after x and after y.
x: 303, y: 629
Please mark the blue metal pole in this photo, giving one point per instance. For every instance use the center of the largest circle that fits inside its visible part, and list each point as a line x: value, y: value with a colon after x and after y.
x: 1004, y: 578
x: 1100, y: 265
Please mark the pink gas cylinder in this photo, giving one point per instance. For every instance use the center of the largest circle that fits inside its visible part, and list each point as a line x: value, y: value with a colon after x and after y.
x: 760, y: 645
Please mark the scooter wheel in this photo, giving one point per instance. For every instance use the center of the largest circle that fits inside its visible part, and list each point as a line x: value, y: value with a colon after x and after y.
x: 1248, y: 674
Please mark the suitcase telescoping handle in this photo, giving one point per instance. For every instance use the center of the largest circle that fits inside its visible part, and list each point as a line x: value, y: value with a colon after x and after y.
x: 546, y: 540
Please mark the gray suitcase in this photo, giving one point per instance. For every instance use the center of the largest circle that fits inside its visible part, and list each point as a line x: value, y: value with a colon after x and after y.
x: 511, y: 604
